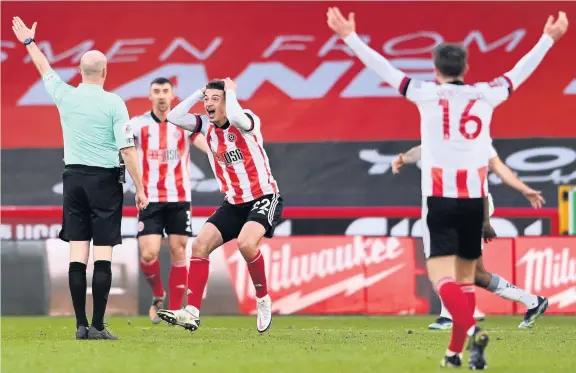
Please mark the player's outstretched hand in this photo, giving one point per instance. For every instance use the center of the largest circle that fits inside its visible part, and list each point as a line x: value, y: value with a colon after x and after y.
x: 397, y: 164
x: 340, y: 25
x: 534, y: 197
x: 488, y: 232
x: 21, y: 31
x: 556, y: 28
x: 229, y: 85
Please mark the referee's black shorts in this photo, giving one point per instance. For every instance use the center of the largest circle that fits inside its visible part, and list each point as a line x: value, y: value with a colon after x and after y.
x: 452, y: 226
x: 93, y: 199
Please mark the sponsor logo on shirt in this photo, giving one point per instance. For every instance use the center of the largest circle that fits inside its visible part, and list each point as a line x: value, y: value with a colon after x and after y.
x: 229, y: 158
x: 163, y: 155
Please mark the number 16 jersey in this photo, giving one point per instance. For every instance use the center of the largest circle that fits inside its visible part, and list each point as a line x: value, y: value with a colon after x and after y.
x: 455, y: 131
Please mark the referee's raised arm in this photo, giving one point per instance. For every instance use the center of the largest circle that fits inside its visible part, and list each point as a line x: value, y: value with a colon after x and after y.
x: 95, y: 127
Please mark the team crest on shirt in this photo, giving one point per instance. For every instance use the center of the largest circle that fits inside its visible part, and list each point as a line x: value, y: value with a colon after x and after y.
x: 177, y: 135
x: 231, y: 137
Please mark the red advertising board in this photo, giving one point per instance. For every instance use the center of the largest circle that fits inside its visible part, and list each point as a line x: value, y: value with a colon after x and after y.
x: 547, y: 266
x: 289, y: 67
x: 331, y: 275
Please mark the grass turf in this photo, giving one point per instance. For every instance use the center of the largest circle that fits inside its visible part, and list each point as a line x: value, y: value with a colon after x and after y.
x: 293, y: 344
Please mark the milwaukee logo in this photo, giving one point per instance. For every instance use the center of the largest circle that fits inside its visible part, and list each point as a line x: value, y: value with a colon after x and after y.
x: 328, y: 268
x: 297, y: 301
x: 548, y: 269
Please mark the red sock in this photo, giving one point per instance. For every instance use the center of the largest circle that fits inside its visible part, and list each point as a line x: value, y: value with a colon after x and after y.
x: 457, y: 339
x: 177, y: 284
x: 469, y: 291
x: 462, y: 317
x: 152, y: 275
x: 257, y: 271
x: 197, y: 279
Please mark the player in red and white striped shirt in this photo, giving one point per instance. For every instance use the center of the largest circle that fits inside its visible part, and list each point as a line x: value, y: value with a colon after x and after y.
x: 535, y: 305
x: 164, y: 152
x: 455, y: 128
x: 252, y: 206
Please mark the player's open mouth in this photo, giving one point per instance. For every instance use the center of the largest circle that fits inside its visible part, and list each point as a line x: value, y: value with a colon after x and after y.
x: 211, y: 113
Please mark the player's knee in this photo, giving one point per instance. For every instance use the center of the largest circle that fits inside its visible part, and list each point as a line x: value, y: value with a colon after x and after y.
x: 200, y: 248
x: 248, y: 247
x: 178, y: 252
x: 148, y: 256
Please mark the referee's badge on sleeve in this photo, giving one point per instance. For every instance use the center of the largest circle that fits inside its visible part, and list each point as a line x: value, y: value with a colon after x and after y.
x: 128, y: 129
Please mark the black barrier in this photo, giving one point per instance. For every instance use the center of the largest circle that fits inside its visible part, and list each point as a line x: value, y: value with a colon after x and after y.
x: 319, y: 174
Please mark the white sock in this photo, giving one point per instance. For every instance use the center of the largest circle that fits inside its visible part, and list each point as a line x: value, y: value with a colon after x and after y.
x: 506, y: 290
x: 444, y: 312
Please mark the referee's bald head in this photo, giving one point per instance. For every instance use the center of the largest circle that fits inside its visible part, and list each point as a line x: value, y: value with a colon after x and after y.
x: 93, y: 66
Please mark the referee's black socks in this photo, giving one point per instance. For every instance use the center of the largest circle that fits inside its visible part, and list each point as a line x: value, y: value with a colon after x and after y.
x: 77, y: 284
x: 101, y: 283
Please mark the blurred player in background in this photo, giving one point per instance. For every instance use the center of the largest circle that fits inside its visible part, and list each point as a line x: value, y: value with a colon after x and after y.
x: 455, y: 131
x: 535, y: 305
x: 252, y: 207
x: 165, y: 157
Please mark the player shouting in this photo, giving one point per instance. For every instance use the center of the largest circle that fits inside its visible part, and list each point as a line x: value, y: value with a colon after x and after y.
x: 455, y: 128
x: 165, y: 156
x: 252, y: 206
x: 535, y: 305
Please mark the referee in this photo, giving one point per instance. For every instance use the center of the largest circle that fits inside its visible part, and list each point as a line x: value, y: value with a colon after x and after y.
x: 95, y: 127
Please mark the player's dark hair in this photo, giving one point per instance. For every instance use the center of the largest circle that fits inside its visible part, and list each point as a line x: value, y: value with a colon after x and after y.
x: 450, y: 59
x: 161, y: 81
x: 215, y: 84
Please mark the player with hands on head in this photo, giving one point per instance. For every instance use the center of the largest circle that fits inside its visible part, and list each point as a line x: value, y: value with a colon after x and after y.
x: 252, y: 206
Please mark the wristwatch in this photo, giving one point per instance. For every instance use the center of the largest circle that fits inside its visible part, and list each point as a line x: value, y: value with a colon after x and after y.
x: 29, y: 41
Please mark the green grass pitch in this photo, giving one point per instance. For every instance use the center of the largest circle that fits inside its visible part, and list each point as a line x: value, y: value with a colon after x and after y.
x: 294, y: 345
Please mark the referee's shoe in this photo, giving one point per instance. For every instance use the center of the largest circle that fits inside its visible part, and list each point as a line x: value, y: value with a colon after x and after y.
x: 94, y: 333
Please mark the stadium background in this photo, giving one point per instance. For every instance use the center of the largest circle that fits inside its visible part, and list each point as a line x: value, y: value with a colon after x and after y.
x: 331, y: 131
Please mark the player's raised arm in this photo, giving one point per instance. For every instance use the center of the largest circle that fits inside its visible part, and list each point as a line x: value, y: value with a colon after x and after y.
x: 180, y: 115
x: 26, y: 36
x: 553, y: 31
x: 346, y: 29
x: 234, y: 111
